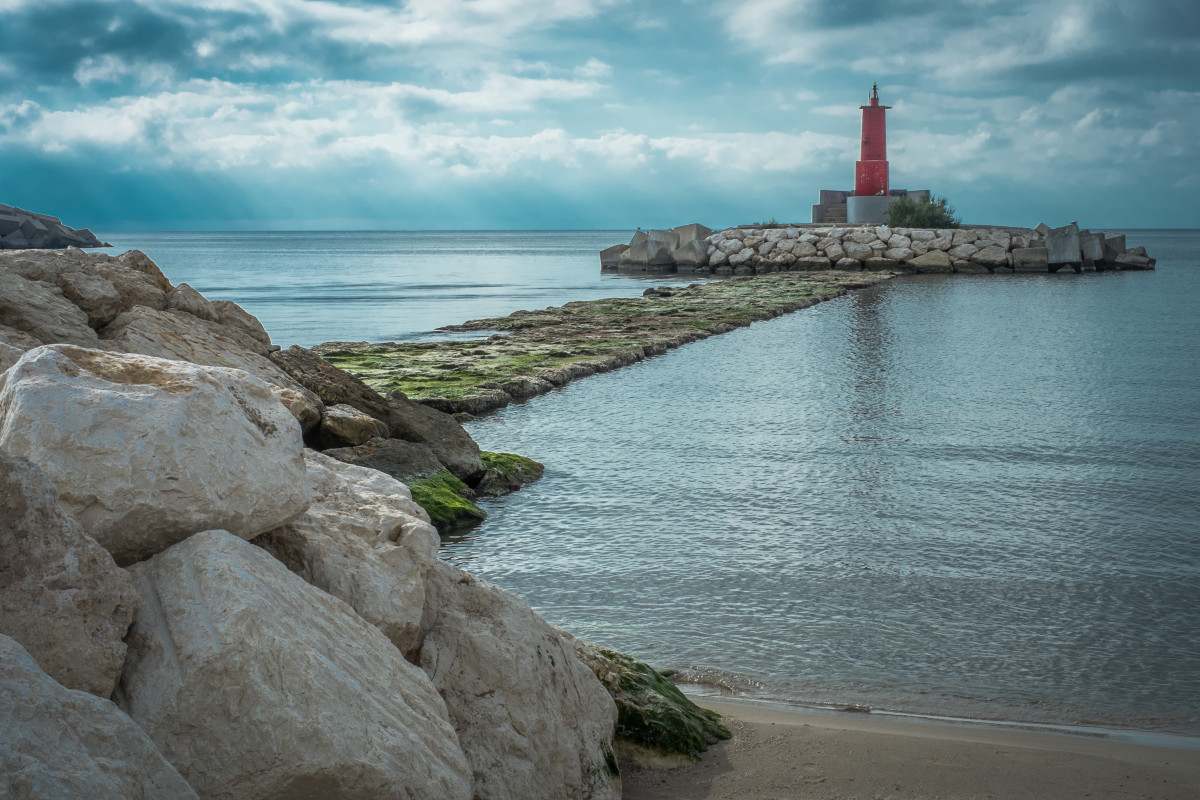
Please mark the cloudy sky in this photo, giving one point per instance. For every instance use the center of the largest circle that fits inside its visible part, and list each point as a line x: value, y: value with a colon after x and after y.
x: 549, y: 114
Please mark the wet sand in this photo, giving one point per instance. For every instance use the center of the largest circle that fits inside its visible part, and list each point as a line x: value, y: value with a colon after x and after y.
x: 776, y: 754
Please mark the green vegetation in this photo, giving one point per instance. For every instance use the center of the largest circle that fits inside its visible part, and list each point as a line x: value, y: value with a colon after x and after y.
x: 908, y: 213
x: 651, y: 711
x: 441, y: 495
x: 507, y: 472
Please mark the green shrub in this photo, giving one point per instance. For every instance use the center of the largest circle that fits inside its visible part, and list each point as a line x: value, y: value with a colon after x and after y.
x: 908, y: 213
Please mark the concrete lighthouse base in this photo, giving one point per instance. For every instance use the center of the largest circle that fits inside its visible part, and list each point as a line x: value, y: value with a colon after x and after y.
x: 865, y: 210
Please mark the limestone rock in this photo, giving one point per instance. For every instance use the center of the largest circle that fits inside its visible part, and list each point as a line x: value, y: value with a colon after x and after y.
x: 861, y: 236
x: 848, y: 263
x: 136, y: 288
x: 178, y: 335
x: 804, y: 249
x: 1000, y: 238
x: 730, y: 246
x: 742, y: 257
x: 507, y: 472
x: 93, y: 295
x: 896, y: 241
x: 719, y: 258
x: 991, y: 256
x: 184, y: 298
x: 964, y: 237
x: 920, y: 248
x: 933, y: 261
x: 364, y: 541
x: 943, y: 243
x: 406, y: 419
x: 60, y: 743
x: 255, y: 684
x: 919, y: 235
x: 835, y: 252
x: 234, y: 316
x: 138, y: 261
x: 61, y: 595
x: 343, y: 425
x: 42, y: 312
x: 857, y: 250
x: 532, y: 719
x: 146, y: 451
x: 963, y: 251
x: 767, y: 246
x: 812, y: 263
x: 402, y: 460
x: 14, y: 344
x: 898, y: 253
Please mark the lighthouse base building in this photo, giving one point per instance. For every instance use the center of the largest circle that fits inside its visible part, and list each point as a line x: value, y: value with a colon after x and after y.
x: 872, y: 193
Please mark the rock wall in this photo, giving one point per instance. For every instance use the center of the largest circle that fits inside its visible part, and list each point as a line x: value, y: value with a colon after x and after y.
x: 754, y: 251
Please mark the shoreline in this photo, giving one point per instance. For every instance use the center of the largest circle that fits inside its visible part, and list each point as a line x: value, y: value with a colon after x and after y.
x: 788, y: 752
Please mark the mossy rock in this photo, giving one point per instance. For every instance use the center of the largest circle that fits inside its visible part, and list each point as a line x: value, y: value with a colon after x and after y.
x: 657, y: 725
x: 443, y: 497
x: 507, y: 472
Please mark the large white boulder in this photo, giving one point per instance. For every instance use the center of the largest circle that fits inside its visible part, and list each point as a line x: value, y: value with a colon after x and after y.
x: 61, y: 595
x: 147, y: 451
x: 255, y: 684
x: 69, y: 745
x: 364, y: 541
x: 533, y: 721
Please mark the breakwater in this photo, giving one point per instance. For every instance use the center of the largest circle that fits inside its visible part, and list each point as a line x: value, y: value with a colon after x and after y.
x: 746, y: 250
x: 532, y: 352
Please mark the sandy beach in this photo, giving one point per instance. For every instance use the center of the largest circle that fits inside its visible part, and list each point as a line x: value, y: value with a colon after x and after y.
x: 781, y: 753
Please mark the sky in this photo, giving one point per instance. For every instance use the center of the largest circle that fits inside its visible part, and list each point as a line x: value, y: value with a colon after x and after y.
x: 591, y: 114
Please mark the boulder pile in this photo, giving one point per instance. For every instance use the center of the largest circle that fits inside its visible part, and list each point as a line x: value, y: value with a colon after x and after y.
x: 759, y: 250
x: 20, y: 230
x: 195, y: 604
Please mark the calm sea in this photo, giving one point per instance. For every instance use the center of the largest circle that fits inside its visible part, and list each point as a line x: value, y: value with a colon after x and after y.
x: 973, y: 496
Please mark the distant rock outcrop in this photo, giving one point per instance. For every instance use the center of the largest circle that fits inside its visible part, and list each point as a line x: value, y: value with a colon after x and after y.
x: 26, y: 230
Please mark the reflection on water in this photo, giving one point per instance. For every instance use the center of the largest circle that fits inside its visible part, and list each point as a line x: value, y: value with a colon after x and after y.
x: 966, y: 496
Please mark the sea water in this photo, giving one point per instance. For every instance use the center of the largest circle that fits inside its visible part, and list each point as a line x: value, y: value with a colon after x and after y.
x: 973, y: 496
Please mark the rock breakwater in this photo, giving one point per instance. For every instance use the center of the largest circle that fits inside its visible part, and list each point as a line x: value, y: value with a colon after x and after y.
x: 21, y: 229
x: 168, y: 540
x: 696, y: 250
x: 532, y: 352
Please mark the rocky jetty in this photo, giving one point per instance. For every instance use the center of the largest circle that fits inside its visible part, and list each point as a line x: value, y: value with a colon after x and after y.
x: 538, y: 351
x: 195, y: 602
x: 21, y: 230
x: 782, y: 248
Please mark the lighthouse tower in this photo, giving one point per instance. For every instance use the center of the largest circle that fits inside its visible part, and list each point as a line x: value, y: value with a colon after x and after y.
x: 871, y: 170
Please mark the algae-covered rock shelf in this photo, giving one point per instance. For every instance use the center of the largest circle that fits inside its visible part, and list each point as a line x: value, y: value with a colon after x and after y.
x: 531, y: 352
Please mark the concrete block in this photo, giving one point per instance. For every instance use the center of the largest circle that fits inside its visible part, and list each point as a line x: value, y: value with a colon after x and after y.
x: 1062, y: 245
x: 1042, y: 229
x: 660, y: 246
x: 1091, y: 246
x: 1114, y: 245
x: 691, y: 254
x: 611, y: 256
x: 688, y: 233
x: 1031, y: 259
x: 10, y: 223
x: 635, y: 254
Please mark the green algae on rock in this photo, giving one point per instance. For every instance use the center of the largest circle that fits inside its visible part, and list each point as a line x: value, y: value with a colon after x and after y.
x: 531, y: 352
x: 507, y: 472
x: 445, y: 498
x: 657, y: 726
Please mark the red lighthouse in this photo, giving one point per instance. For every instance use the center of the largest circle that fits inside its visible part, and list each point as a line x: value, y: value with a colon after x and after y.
x: 871, y: 171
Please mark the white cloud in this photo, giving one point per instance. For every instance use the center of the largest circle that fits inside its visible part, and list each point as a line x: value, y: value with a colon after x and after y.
x: 109, y: 68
